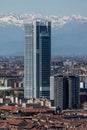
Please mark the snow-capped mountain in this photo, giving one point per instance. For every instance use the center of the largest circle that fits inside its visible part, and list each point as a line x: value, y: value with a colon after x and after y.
x: 69, y: 33
x: 57, y: 21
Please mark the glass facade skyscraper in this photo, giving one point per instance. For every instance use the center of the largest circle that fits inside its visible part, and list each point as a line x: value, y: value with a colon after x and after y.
x: 37, y: 59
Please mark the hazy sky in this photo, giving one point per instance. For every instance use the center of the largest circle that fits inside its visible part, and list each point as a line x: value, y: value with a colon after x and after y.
x: 46, y: 7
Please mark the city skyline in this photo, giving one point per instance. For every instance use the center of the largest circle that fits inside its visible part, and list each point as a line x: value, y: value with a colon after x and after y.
x: 47, y: 83
x: 56, y: 7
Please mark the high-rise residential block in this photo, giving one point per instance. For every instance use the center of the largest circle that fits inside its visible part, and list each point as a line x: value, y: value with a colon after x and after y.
x: 66, y: 91
x: 74, y: 87
x: 51, y: 87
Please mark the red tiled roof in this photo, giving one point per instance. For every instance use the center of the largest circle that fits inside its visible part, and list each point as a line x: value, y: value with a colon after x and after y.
x: 31, y: 109
x: 9, y: 108
x: 15, y: 122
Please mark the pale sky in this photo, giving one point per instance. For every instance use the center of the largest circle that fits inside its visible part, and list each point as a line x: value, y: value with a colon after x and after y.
x: 46, y: 7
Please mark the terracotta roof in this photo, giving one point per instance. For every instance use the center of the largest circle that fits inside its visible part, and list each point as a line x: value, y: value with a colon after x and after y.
x: 9, y: 108
x: 4, y: 124
x: 16, y: 122
x: 29, y: 126
x: 31, y: 109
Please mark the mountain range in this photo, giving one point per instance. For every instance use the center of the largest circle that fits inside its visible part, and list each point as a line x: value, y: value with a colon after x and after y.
x: 69, y: 33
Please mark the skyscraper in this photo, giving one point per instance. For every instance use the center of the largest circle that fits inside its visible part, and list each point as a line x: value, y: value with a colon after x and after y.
x: 74, y: 85
x: 66, y: 91
x: 37, y: 59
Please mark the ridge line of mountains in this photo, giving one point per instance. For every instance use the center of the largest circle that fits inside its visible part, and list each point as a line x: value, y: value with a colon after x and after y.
x: 69, y: 34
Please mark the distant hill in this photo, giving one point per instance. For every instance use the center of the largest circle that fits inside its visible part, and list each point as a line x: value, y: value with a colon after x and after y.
x: 69, y: 34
